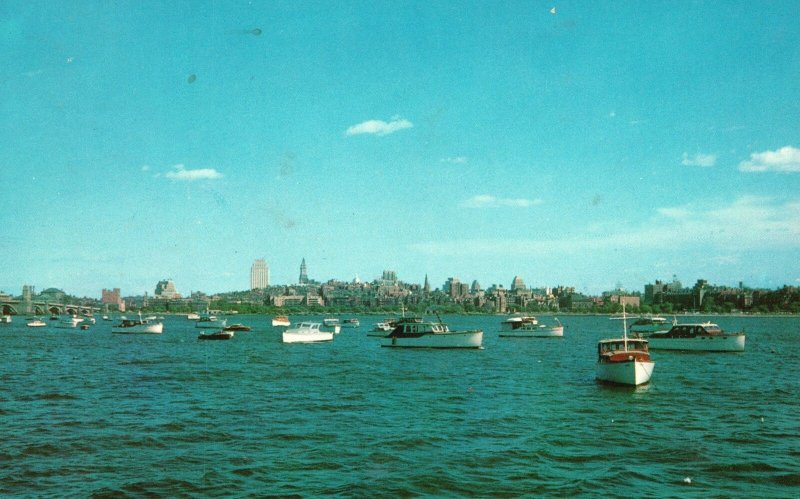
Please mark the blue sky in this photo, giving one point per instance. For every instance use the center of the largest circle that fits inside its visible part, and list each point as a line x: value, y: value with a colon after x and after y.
x: 597, y: 144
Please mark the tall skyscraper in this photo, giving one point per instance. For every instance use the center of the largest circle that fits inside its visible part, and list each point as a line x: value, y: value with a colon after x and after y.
x: 303, y: 272
x: 259, y: 275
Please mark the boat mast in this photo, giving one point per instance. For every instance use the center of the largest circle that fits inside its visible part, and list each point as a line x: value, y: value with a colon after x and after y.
x: 624, y: 327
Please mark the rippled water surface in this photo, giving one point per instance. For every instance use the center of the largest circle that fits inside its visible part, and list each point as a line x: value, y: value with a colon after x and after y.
x: 91, y: 413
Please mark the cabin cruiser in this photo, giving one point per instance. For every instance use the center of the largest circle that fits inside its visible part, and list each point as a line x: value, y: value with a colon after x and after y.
x: 237, y: 327
x: 36, y: 322
x: 706, y: 337
x: 209, y: 321
x: 193, y: 316
x: 306, y: 332
x: 331, y: 324
x: 70, y: 322
x: 138, y: 326
x: 645, y: 326
x: 281, y: 321
x: 219, y: 335
x: 625, y: 361
x: 350, y: 323
x: 413, y: 332
x: 529, y: 327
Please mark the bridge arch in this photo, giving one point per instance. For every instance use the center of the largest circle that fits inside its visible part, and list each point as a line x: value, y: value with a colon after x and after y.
x: 9, y: 310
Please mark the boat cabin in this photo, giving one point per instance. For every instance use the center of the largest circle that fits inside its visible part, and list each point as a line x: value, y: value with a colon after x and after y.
x: 692, y: 330
x: 611, y: 347
x: 413, y: 326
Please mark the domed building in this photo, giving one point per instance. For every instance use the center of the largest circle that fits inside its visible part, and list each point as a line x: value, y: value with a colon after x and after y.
x: 517, y: 284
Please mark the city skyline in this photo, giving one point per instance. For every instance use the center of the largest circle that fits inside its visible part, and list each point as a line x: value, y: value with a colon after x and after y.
x: 615, y: 142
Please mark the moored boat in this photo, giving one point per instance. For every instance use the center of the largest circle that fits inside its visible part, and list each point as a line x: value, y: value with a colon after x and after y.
x: 704, y: 337
x: 237, y: 327
x: 138, y: 326
x: 531, y: 329
x: 5, y: 319
x: 218, y: 335
x: 192, y: 316
x: 281, y: 321
x: 210, y: 321
x: 306, y: 332
x: 518, y: 321
x: 645, y: 326
x: 413, y: 332
x: 381, y: 329
x: 331, y: 324
x: 624, y: 361
x: 70, y: 322
x: 36, y: 322
x: 350, y: 322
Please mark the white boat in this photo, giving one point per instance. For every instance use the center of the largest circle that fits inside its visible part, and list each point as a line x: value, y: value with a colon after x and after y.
x: 645, y: 326
x: 5, y: 319
x: 530, y: 329
x: 381, y: 329
x: 106, y: 318
x: 350, y: 323
x: 517, y: 321
x: 138, y: 326
x: 208, y: 321
x: 705, y: 337
x: 36, y: 322
x: 306, y: 332
x: 331, y: 324
x: 412, y: 332
x: 625, y: 361
x: 70, y: 322
x: 281, y: 321
x: 193, y: 316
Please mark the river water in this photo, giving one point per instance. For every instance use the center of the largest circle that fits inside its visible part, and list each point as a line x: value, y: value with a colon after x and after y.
x: 92, y: 413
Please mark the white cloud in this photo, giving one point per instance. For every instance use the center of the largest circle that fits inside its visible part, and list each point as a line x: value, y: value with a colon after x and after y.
x: 456, y: 160
x: 785, y: 160
x: 699, y: 159
x: 748, y: 223
x: 179, y: 172
x: 379, y: 127
x: 488, y: 201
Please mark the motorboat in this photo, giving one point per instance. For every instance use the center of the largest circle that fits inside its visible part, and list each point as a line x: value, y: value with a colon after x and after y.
x: 705, y: 337
x: 413, y: 332
x: 237, y: 327
x: 381, y: 329
x: 307, y: 332
x: 331, y: 324
x: 350, y: 323
x: 281, y: 321
x: 138, y: 326
x: 530, y: 329
x: 70, y: 322
x: 5, y: 319
x: 210, y: 321
x: 624, y: 361
x: 106, y: 318
x: 645, y: 326
x: 36, y: 322
x: 193, y: 316
x: 518, y: 321
x: 219, y: 335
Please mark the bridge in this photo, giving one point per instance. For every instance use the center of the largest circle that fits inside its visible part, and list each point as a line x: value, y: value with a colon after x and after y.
x: 20, y: 307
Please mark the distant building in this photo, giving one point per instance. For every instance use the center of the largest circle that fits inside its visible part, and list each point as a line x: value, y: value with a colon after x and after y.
x: 165, y: 290
x: 303, y: 273
x: 259, y: 275
x: 517, y: 284
x: 113, y: 297
x: 52, y: 295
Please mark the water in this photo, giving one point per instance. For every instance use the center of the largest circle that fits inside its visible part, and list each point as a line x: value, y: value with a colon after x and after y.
x: 91, y: 413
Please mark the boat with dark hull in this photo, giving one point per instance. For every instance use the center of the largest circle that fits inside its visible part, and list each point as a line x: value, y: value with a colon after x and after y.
x: 219, y: 335
x: 701, y: 337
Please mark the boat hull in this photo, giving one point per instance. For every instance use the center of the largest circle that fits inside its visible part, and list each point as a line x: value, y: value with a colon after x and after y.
x: 221, y: 335
x: 307, y: 337
x: 710, y: 343
x: 450, y: 339
x: 633, y: 372
x: 535, y: 332
x: 156, y: 328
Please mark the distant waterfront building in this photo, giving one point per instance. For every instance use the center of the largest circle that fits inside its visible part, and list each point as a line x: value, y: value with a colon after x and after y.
x: 259, y: 275
x: 303, y: 272
x: 165, y: 290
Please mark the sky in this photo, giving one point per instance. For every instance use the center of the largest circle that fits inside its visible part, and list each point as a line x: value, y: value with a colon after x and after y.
x: 586, y: 144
